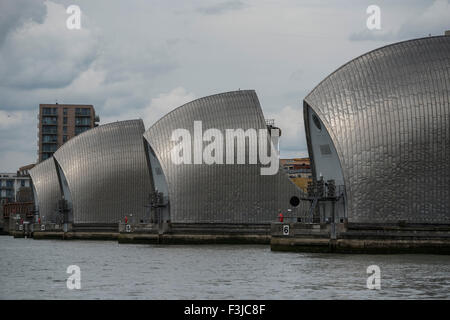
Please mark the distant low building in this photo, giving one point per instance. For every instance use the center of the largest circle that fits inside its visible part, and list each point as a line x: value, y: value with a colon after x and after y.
x: 24, y: 171
x: 297, y: 167
x: 16, y: 196
x: 298, y: 170
x: 10, y: 186
x: 302, y: 183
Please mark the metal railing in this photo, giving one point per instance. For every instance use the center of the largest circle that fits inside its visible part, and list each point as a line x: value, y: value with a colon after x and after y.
x: 327, y: 202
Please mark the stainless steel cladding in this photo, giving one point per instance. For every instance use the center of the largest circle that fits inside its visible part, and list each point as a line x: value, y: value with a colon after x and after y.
x: 388, y: 115
x: 106, y: 171
x: 220, y: 193
x: 46, y: 188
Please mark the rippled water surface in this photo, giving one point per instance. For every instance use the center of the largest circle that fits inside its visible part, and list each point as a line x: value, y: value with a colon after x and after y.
x: 36, y: 269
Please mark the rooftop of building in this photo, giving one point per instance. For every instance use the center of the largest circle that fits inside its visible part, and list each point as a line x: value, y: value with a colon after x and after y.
x: 65, y: 105
x: 295, y: 161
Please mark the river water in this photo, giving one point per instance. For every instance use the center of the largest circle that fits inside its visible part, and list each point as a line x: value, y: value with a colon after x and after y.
x: 36, y: 269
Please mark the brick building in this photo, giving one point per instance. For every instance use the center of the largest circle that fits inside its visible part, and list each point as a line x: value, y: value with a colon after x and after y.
x: 61, y: 122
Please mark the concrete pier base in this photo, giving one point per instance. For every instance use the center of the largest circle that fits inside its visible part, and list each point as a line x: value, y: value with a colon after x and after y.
x: 17, y: 234
x: 193, y: 239
x: 55, y: 231
x: 82, y: 235
x: 357, y: 238
x: 361, y: 246
x: 194, y: 234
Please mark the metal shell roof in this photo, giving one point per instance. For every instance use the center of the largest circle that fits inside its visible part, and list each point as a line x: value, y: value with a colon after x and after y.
x: 388, y: 114
x: 220, y: 193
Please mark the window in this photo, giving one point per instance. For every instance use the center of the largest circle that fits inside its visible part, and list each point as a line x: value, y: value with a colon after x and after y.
x: 49, y: 138
x: 83, y: 121
x: 325, y: 149
x: 79, y: 130
x: 64, y: 138
x: 83, y: 111
x: 65, y: 111
x: 49, y: 120
x: 49, y: 111
x: 48, y: 130
x: 317, y: 122
x: 65, y: 120
x: 65, y: 130
x: 22, y: 183
x: 49, y: 147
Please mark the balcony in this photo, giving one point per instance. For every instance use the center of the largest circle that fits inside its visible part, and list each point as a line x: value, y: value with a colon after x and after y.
x: 49, y: 138
x: 49, y: 147
x: 81, y: 129
x: 46, y: 155
x: 49, y: 111
x: 51, y: 132
x: 83, y: 122
x: 83, y: 112
x: 49, y: 123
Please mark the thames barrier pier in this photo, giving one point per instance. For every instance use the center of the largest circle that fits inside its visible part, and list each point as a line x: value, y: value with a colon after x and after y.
x: 378, y: 136
x: 360, y: 238
x: 150, y: 198
x: 195, y: 234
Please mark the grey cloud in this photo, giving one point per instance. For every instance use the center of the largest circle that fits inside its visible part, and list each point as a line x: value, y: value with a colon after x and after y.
x: 51, y: 73
x: 133, y: 58
x: 127, y: 64
x: 433, y: 20
x: 46, y: 55
x: 297, y: 75
x: 120, y: 67
x: 373, y: 35
x: 14, y: 13
x: 18, y: 147
x: 222, y: 7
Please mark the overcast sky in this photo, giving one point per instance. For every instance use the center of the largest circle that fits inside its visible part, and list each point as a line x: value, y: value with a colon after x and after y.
x: 141, y: 59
